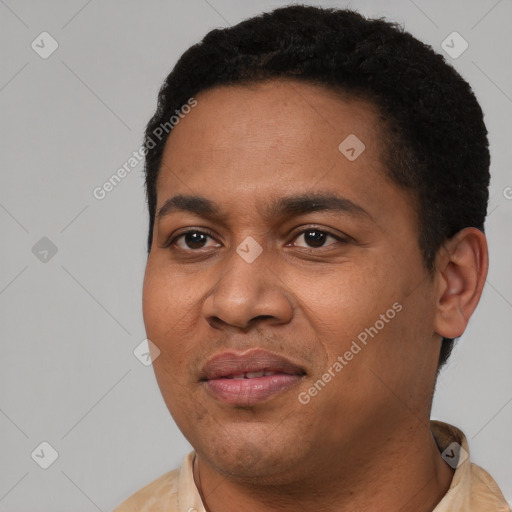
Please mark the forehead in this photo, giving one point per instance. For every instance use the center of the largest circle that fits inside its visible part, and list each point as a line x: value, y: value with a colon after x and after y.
x: 245, y: 146
x: 249, y: 110
x: 272, y: 126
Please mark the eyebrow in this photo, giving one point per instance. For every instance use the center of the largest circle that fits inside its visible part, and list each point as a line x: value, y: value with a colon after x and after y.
x: 283, y: 207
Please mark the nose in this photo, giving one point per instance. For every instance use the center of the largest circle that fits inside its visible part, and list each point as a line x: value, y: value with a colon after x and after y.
x: 246, y: 293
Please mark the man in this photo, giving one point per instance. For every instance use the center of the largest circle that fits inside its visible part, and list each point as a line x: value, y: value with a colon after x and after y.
x: 316, y: 244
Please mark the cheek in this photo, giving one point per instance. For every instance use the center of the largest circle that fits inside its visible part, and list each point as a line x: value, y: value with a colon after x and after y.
x: 161, y: 313
x: 342, y: 304
x: 150, y: 291
x: 167, y: 313
x: 162, y: 302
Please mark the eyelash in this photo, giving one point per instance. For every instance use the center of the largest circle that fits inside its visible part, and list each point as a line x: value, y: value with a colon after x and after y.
x: 202, y: 231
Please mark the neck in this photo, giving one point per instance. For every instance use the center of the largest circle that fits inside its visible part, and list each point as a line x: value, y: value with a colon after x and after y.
x: 403, y: 473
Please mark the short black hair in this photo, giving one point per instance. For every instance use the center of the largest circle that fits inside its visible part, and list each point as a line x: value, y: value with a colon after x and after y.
x: 436, y: 143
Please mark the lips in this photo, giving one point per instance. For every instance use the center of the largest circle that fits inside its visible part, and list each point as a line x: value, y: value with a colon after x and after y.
x: 249, y: 378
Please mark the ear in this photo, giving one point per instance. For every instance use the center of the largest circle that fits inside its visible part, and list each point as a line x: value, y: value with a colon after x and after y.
x: 461, y: 270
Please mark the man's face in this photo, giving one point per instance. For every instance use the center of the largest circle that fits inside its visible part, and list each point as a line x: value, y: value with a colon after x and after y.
x: 286, y: 291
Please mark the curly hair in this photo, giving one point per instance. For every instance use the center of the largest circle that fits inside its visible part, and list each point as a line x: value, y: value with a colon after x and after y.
x: 436, y: 143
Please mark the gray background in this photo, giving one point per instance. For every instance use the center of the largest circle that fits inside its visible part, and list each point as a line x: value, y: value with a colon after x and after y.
x: 70, y: 322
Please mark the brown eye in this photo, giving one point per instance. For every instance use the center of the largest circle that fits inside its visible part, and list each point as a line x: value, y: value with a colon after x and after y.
x: 194, y: 239
x: 190, y: 240
x: 316, y: 238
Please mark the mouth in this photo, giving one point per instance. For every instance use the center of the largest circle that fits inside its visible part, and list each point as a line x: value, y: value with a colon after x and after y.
x: 249, y: 378
x: 252, y: 375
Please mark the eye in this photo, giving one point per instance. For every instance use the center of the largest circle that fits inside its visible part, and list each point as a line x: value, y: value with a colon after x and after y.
x: 311, y: 238
x: 193, y: 239
x: 314, y: 237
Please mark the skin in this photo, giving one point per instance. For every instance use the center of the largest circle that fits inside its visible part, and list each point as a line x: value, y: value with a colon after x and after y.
x: 364, y: 441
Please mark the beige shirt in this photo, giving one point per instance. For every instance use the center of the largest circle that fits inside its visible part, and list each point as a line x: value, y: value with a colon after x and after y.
x: 472, y: 488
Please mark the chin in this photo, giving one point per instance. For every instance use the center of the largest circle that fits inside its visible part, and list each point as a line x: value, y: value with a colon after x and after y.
x: 250, y: 461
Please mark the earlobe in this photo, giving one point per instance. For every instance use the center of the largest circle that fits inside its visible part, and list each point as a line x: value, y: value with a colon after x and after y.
x: 461, y: 269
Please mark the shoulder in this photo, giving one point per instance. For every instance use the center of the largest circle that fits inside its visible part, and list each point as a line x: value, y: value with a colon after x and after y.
x: 485, y: 493
x: 472, y: 488
x: 161, y: 495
